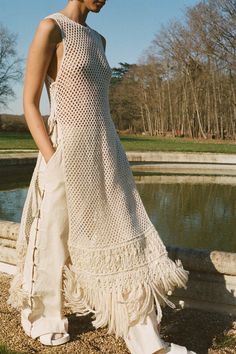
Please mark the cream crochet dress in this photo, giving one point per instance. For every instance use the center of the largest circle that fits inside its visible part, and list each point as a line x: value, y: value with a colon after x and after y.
x: 119, y: 265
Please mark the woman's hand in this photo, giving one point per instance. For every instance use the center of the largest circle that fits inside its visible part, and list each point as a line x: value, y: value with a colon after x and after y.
x: 47, y: 157
x: 41, y: 52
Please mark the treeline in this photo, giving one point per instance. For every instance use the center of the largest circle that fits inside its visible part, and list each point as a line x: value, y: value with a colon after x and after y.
x: 15, y: 123
x: 185, y: 84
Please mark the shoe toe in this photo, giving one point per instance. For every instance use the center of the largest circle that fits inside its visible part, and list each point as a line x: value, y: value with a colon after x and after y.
x: 172, y: 348
x: 46, y: 339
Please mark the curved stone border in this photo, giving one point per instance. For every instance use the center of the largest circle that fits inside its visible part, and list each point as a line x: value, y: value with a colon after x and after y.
x: 184, y: 163
x: 186, y: 169
x: 186, y: 179
x: 206, y: 261
x: 140, y: 156
x: 212, y: 279
x: 18, y: 159
x: 8, y: 236
x: 182, y: 157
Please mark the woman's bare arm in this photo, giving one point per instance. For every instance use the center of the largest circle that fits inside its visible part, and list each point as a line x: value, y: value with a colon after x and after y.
x: 42, y: 48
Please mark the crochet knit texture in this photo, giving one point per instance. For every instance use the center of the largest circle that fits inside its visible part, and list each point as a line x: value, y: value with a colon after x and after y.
x: 119, y: 267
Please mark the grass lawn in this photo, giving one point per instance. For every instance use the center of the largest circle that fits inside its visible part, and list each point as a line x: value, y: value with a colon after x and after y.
x: 141, y: 143
x: 10, y: 140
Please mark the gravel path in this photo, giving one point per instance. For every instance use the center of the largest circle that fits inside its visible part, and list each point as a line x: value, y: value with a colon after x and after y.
x: 199, y: 331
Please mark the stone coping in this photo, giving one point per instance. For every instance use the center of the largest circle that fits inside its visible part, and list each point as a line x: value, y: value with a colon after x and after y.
x: 139, y: 156
x: 182, y: 157
x: 163, y: 178
x: 206, y: 261
x: 201, y: 260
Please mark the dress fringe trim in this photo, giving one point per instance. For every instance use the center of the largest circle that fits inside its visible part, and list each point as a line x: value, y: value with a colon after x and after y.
x: 119, y: 298
x: 128, y: 299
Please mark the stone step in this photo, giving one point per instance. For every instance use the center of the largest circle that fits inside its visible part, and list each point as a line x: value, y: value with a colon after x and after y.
x: 5, y: 242
x: 212, y: 277
x: 8, y: 255
x: 9, y: 229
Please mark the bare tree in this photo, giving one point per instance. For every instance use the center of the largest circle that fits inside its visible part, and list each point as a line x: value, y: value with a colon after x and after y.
x: 185, y: 83
x: 10, y: 65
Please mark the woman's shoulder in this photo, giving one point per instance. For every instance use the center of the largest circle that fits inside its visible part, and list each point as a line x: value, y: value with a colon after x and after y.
x: 102, y: 38
x: 50, y: 21
x: 48, y: 26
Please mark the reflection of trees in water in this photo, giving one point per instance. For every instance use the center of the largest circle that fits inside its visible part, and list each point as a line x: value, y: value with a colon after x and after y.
x: 11, y: 204
x: 187, y: 215
x: 192, y: 215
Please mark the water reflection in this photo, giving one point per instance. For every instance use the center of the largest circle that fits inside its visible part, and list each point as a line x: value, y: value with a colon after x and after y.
x: 185, y: 215
x: 193, y: 215
x: 11, y: 204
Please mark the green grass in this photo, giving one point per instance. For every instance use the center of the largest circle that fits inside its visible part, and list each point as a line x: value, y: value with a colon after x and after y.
x: 9, y: 140
x: 225, y: 341
x: 4, y: 350
x: 141, y: 143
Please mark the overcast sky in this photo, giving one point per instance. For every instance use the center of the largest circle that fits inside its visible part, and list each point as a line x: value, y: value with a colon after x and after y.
x: 128, y: 26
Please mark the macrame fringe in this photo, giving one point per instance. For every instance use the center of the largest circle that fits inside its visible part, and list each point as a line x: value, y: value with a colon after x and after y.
x: 123, y: 305
x: 121, y: 285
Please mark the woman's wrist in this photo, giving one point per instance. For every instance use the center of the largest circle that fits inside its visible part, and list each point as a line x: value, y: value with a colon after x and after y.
x: 48, y: 156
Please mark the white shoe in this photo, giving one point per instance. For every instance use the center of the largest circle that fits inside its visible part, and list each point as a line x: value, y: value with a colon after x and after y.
x: 46, y: 339
x: 172, y: 348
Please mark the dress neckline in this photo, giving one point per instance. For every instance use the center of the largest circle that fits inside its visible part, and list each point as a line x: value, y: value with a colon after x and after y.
x: 76, y: 23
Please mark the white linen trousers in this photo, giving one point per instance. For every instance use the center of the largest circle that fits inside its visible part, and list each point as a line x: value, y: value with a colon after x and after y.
x: 47, y: 254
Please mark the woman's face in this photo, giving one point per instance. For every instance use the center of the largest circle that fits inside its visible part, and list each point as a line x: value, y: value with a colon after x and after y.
x: 94, y: 5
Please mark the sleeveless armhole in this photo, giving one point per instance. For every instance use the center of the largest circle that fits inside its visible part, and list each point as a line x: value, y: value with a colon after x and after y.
x: 100, y: 36
x: 54, y: 82
x: 104, y: 49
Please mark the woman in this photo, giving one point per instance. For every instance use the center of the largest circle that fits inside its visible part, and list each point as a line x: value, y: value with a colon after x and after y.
x: 85, y: 239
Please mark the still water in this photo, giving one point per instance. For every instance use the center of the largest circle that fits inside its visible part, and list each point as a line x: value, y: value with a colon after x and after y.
x: 193, y: 215
x: 185, y: 215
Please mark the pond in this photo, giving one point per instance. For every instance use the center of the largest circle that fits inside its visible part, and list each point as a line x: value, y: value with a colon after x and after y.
x: 193, y: 215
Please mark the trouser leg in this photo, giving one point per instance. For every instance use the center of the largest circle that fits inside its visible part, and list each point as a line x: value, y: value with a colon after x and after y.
x: 144, y: 338
x: 47, y: 254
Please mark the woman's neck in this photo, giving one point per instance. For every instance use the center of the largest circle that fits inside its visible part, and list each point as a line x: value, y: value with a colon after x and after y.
x: 76, y: 11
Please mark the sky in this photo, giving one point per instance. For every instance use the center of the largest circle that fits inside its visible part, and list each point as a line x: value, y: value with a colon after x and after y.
x: 129, y: 27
